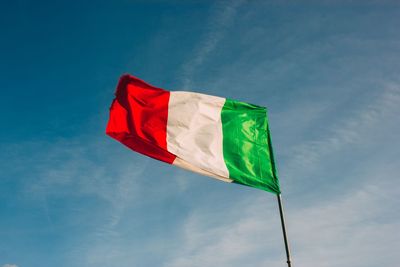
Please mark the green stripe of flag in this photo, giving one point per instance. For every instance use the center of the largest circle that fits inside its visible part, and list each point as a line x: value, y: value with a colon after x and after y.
x: 247, y: 147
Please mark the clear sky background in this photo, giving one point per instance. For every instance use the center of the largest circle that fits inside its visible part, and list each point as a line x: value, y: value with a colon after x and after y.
x: 328, y: 71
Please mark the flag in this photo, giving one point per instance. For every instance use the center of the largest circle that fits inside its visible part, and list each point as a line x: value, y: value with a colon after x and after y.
x: 214, y: 136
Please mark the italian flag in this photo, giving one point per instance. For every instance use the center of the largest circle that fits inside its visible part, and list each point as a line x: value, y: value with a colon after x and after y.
x: 214, y: 136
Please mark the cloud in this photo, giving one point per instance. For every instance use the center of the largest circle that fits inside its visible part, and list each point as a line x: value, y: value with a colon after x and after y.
x: 73, y: 167
x: 359, y: 127
x: 10, y: 265
x: 78, y: 171
x: 210, y: 240
x: 222, y: 18
x: 348, y: 230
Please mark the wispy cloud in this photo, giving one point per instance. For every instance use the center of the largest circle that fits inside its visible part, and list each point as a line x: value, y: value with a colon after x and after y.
x: 77, y: 169
x: 69, y: 167
x: 351, y: 229
x: 222, y: 17
x: 348, y: 230
x: 358, y: 127
x: 210, y: 238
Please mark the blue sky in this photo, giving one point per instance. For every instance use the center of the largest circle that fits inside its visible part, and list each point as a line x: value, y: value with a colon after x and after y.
x: 328, y: 71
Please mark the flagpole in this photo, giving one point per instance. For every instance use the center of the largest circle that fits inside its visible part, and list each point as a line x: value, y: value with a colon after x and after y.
x: 284, y: 230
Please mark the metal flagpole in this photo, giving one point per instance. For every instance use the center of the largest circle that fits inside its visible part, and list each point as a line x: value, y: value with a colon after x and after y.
x: 284, y: 230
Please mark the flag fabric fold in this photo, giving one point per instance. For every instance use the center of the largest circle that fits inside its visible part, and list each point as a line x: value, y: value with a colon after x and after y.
x: 221, y: 138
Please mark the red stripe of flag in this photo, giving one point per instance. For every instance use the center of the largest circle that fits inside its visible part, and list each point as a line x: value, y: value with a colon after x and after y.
x: 138, y: 118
